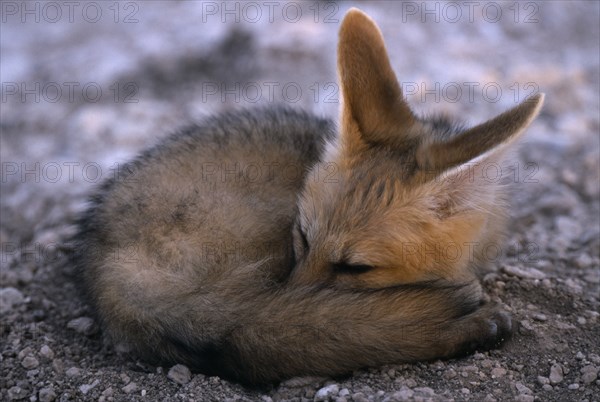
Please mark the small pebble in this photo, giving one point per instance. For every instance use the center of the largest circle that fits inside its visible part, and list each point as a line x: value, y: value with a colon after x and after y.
x: 529, y: 273
x: 130, y: 388
x: 543, y: 380
x: 522, y: 389
x: 564, y: 325
x: 359, y: 397
x: 9, y: 298
x: 449, y: 374
x: 471, y: 369
x: 556, y: 374
x: 15, y: 393
x: 25, y: 352
x: 583, y: 261
x: 85, y: 388
x: 589, y: 374
x: 593, y: 315
x: 47, y: 394
x: 487, y: 363
x: 573, y: 286
x: 410, y: 382
x: 30, y: 362
x: 425, y: 391
x: 83, y: 325
x: 404, y: 394
x: 73, y: 372
x: 573, y: 386
x: 179, y: 374
x: 327, y: 392
x: 46, y: 352
x: 58, y: 366
x: 525, y: 327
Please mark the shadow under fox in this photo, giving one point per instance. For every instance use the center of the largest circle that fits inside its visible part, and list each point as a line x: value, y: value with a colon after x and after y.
x: 332, y: 287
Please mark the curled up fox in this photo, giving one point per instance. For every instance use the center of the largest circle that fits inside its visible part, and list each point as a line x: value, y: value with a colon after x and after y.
x: 325, y: 283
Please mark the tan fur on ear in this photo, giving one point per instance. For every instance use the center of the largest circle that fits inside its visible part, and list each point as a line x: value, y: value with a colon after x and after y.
x: 439, y: 156
x: 373, y: 110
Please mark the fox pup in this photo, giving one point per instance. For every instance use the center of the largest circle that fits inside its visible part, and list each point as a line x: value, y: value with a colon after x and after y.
x: 262, y: 245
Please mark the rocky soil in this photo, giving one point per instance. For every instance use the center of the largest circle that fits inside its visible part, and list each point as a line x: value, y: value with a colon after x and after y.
x: 86, y: 86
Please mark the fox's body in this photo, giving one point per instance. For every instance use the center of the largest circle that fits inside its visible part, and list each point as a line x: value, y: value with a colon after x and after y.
x: 264, y: 245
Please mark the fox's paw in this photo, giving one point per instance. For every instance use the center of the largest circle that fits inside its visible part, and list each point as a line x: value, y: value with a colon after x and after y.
x: 485, y: 329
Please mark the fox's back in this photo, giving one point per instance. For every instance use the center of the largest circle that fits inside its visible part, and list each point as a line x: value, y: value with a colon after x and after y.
x: 181, y: 219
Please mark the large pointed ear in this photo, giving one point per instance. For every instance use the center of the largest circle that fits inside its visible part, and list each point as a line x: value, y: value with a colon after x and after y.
x: 373, y: 108
x: 442, y: 155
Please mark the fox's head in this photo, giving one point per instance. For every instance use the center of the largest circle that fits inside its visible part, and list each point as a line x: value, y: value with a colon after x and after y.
x: 397, y: 198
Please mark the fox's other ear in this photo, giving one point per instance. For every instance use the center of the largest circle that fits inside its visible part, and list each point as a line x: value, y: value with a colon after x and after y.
x: 373, y: 107
x: 443, y: 155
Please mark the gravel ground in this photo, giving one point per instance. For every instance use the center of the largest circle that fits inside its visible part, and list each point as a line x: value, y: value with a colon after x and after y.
x: 87, y: 85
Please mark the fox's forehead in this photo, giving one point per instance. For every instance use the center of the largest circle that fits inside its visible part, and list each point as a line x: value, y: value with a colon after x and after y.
x: 372, y: 196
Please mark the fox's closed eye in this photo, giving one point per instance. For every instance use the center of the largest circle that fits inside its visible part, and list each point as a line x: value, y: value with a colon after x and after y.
x: 351, y: 269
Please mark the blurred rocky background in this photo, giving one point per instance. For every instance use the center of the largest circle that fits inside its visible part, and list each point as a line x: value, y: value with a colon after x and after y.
x: 86, y: 85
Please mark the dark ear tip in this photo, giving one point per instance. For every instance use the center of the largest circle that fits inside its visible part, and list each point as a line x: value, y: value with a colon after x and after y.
x: 533, y: 105
x: 356, y: 19
x: 537, y: 99
x: 354, y: 12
